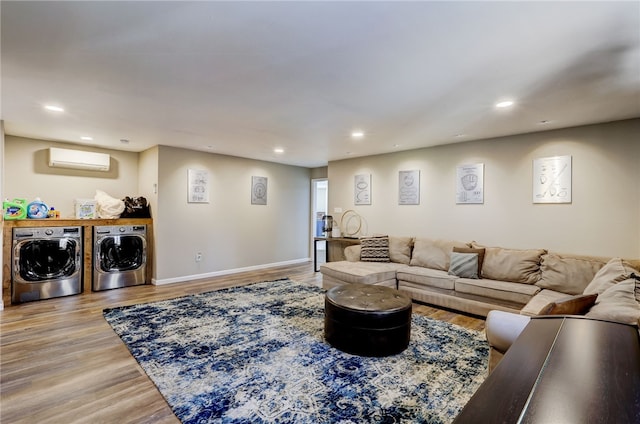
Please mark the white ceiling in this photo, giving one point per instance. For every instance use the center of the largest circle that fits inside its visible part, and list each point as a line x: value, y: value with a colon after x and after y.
x: 242, y: 78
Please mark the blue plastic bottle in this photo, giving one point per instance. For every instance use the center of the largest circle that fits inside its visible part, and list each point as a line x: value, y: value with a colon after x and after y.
x: 37, y: 209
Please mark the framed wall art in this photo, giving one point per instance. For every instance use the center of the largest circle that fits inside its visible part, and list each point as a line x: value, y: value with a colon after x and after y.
x: 409, y: 187
x: 470, y: 184
x: 258, y: 190
x: 362, y: 189
x: 197, y: 186
x: 552, y: 179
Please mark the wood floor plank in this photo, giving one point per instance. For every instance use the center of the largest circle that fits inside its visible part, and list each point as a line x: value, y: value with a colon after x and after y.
x: 60, y: 362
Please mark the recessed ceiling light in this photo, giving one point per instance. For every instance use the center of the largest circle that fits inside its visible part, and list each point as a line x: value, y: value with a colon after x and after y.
x: 278, y: 150
x: 86, y: 138
x: 54, y: 108
x: 459, y: 135
x: 357, y: 134
x: 506, y: 103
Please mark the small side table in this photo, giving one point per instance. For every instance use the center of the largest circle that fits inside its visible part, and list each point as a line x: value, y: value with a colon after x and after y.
x: 335, y: 248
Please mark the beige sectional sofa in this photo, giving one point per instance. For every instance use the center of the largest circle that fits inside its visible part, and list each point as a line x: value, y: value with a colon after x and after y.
x: 522, y: 281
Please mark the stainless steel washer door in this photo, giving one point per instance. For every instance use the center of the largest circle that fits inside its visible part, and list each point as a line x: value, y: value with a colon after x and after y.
x: 45, y: 266
x: 119, y: 261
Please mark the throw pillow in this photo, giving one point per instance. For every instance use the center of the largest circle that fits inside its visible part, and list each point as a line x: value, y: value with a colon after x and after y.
x: 617, y: 303
x: 464, y: 265
x: 479, y: 251
x: 613, y: 272
x: 374, y: 249
x: 570, y: 305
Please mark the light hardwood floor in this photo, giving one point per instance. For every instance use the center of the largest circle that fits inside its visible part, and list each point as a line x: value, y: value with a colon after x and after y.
x: 60, y: 362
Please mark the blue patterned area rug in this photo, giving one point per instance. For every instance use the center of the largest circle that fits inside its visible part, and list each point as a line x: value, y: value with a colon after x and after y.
x: 256, y: 354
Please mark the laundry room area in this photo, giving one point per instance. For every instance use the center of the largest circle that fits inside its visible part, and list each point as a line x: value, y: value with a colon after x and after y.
x: 45, y: 258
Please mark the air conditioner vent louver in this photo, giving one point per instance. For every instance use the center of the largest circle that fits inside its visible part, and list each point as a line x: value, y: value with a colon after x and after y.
x: 77, y: 159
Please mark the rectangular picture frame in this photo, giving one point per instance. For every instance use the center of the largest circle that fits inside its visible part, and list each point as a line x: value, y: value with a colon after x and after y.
x: 197, y: 186
x: 552, y: 179
x: 470, y: 184
x: 409, y: 187
x: 362, y: 189
x: 259, y: 187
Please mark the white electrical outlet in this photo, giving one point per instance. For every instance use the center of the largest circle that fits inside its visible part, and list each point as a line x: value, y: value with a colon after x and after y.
x: 198, y: 256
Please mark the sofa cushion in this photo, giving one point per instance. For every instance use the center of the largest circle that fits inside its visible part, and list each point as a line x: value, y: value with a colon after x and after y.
x: 540, y: 300
x: 570, y: 305
x: 568, y: 273
x: 611, y: 273
x: 480, y: 251
x: 427, y: 277
x: 464, y: 265
x: 434, y: 254
x: 400, y: 249
x: 617, y: 303
x: 361, y: 272
x: 501, y: 290
x: 374, y: 249
x: 514, y: 265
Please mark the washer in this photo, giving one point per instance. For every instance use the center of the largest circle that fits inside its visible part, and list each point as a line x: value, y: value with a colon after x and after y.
x: 119, y: 256
x: 46, y: 263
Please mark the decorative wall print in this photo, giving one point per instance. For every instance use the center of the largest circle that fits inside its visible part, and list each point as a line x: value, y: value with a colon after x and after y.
x: 258, y: 190
x: 470, y: 184
x: 362, y: 189
x: 552, y: 180
x: 409, y: 188
x: 198, y: 186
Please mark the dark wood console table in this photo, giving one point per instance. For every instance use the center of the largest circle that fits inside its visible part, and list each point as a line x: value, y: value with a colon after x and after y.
x: 563, y: 370
x: 335, y: 248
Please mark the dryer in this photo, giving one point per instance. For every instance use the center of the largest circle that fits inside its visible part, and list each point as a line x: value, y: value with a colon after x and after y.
x: 46, y: 263
x: 119, y: 256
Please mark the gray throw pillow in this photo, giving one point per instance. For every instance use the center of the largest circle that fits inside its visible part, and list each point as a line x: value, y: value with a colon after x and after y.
x: 464, y: 265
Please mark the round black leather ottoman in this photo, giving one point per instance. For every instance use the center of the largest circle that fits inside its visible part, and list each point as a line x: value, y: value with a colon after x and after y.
x: 367, y: 320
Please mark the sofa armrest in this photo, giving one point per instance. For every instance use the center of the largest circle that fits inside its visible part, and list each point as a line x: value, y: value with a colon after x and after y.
x: 503, y: 328
x: 352, y: 253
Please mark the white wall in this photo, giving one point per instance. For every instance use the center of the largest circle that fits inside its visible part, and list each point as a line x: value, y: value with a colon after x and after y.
x: 29, y: 176
x: 229, y: 231
x: 603, y: 219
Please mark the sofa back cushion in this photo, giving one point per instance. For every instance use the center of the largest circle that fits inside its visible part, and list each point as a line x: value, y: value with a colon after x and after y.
x: 613, y: 272
x: 515, y: 265
x: 434, y: 254
x: 568, y: 273
x: 400, y: 249
x: 618, y: 303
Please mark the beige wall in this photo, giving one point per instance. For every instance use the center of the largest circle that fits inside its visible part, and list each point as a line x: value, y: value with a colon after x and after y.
x: 229, y: 231
x: 2, y: 196
x: 29, y: 175
x: 603, y: 219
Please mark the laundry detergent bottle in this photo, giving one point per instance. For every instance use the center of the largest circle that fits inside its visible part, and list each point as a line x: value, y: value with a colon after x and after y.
x: 14, y: 209
x: 37, y: 209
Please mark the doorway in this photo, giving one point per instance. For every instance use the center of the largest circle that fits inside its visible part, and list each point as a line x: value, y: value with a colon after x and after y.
x: 320, y: 208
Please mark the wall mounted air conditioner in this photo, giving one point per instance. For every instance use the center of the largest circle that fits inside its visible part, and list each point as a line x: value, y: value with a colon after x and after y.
x: 76, y: 159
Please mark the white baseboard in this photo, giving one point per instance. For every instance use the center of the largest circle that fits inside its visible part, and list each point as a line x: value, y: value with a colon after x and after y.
x: 163, y: 281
